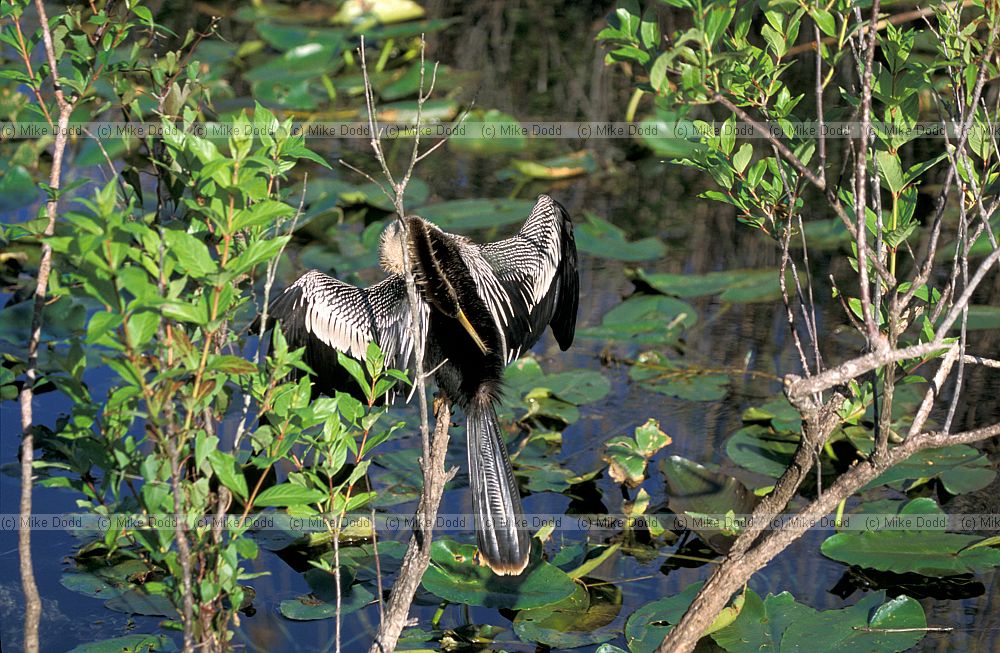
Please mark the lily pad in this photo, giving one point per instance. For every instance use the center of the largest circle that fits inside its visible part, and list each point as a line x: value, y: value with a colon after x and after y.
x: 139, y: 602
x: 960, y: 468
x: 303, y: 62
x: 694, y: 488
x: 779, y: 413
x: 675, y: 379
x: 982, y: 317
x: 455, y: 576
x: 322, y: 602
x: 737, y: 286
x: 761, y: 624
x: 779, y: 623
x: 761, y: 450
x: 925, y: 552
x: 322, y: 198
x: 600, y: 238
x: 563, y: 167
x: 280, y: 534
x: 648, y: 625
x: 644, y: 319
x: 285, y: 37
x: 136, y: 643
x: 478, y: 213
x: 861, y: 627
x: 433, y: 111
x: 416, y: 193
x: 541, y: 404
x: 579, y: 620
x: 488, y: 132
x: 90, y: 585
x: 408, y: 84
x: 577, y: 387
x: 383, y: 11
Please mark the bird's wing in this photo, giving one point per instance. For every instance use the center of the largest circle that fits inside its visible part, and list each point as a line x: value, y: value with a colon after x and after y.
x: 325, y: 316
x: 537, y: 270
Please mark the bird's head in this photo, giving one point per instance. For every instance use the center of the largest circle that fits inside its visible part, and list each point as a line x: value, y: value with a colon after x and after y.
x: 390, y: 247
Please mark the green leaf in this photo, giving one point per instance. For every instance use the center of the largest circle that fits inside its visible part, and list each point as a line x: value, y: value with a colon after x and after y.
x: 860, y: 627
x: 742, y: 157
x: 562, y: 167
x: 600, y: 238
x: 322, y: 602
x: 229, y: 472
x: 455, y: 576
x: 265, y: 213
x: 930, y: 553
x: 658, y: 71
x: 737, y: 286
x: 140, y: 602
x: 824, y: 20
x: 890, y: 171
x: 961, y: 468
x: 581, y: 619
x: 760, y: 450
x: 135, y: 643
x: 288, y: 494
x: 191, y: 253
x: 775, y: 40
x: 475, y: 214
x: 649, y: 29
x: 761, y: 624
x: 646, y: 628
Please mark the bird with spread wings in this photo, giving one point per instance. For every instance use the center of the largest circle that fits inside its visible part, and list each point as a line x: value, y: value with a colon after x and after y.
x: 479, y: 307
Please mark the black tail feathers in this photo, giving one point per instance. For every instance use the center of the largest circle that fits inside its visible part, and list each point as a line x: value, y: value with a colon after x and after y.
x: 502, y: 543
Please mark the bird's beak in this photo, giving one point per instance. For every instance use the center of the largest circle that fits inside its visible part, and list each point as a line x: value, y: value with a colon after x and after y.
x: 464, y: 321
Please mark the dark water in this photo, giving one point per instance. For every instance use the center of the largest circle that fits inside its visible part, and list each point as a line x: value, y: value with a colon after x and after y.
x: 643, y: 196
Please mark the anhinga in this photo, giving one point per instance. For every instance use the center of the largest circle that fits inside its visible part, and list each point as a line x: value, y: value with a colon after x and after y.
x: 480, y: 306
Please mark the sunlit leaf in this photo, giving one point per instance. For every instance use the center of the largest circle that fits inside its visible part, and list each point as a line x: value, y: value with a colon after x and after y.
x: 455, y: 576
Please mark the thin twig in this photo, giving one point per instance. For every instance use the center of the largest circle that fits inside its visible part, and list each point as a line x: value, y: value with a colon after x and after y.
x: 32, y: 600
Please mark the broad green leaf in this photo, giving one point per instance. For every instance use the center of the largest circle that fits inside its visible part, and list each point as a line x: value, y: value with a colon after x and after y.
x: 600, y: 238
x: 191, y: 253
x: 563, y: 167
x: 648, y: 625
x: 135, y: 643
x: 579, y: 620
x: 229, y: 472
x: 861, y: 627
x: 960, y: 468
x: 761, y: 624
x: 488, y: 132
x: 477, y: 213
x: 454, y: 575
x: 322, y: 602
x: 930, y: 553
x: 288, y: 494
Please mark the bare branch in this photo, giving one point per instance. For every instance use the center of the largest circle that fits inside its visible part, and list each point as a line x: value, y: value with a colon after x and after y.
x: 861, y: 180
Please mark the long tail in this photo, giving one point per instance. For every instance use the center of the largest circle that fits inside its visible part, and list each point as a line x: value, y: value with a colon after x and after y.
x: 495, y: 498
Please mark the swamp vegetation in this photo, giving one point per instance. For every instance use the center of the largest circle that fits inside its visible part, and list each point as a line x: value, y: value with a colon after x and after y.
x: 790, y: 306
